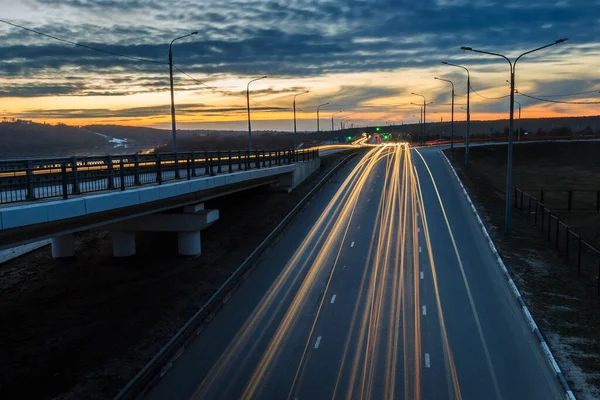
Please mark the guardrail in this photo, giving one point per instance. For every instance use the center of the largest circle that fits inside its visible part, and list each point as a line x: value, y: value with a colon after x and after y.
x: 33, y: 179
x: 565, y: 200
x: 566, y: 242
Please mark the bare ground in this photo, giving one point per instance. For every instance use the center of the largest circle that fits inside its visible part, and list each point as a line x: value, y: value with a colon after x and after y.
x: 565, y: 307
x: 82, y: 328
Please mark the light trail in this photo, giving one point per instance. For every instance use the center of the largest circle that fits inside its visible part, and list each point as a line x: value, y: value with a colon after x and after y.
x: 382, y: 352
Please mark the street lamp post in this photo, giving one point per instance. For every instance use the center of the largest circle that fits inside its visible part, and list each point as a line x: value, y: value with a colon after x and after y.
x: 420, y: 121
x: 467, y: 137
x: 248, y: 104
x: 509, y: 157
x: 297, y: 94
x: 319, y: 106
x: 173, y: 125
x: 332, y: 119
x: 424, y: 113
x: 452, y: 129
x: 519, y: 104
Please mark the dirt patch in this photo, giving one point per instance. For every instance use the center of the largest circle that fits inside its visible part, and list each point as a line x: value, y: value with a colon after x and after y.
x: 565, y: 307
x: 82, y: 328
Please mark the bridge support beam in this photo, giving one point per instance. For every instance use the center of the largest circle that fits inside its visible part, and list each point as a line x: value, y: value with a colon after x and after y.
x: 63, y: 246
x: 189, y: 243
x: 123, y: 243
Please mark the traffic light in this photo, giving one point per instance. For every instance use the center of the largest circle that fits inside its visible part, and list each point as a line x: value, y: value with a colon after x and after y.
x: 349, y: 137
x: 377, y: 129
x: 385, y: 137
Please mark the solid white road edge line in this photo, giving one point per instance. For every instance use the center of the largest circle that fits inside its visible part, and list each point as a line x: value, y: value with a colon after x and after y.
x: 527, y: 314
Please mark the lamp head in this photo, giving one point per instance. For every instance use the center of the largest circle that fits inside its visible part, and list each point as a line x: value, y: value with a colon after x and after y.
x: 465, y: 48
x: 444, y: 62
x: 563, y: 40
x: 194, y: 33
x: 435, y: 77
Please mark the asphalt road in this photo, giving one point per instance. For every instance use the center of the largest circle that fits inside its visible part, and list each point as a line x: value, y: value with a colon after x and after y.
x: 383, y: 287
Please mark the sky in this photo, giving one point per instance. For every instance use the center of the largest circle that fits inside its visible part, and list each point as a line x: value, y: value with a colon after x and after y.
x: 364, y: 58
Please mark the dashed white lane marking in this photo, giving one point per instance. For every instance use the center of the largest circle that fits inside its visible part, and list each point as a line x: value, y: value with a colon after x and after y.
x: 358, y: 227
x: 344, y: 267
x: 427, y: 360
x: 368, y: 200
x: 319, y: 341
x: 333, y: 298
x: 418, y: 229
x: 352, y: 244
x: 421, y: 274
x: 423, y: 309
x: 420, y: 249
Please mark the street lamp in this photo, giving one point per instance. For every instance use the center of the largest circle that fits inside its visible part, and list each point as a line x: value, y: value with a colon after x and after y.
x: 173, y: 126
x: 332, y: 119
x: 248, y: 104
x: 468, y: 110
x: 319, y: 106
x: 509, y: 157
x: 297, y: 94
x: 420, y: 122
x: 519, y: 131
x: 424, y: 113
x: 452, y: 129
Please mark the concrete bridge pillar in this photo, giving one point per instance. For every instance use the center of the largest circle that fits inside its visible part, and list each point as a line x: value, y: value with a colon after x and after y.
x: 123, y: 243
x: 63, y: 246
x: 189, y: 243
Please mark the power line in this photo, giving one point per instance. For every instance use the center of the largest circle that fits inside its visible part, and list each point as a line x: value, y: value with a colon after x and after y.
x: 558, y: 101
x: 83, y: 45
x: 570, y: 94
x: 489, y: 98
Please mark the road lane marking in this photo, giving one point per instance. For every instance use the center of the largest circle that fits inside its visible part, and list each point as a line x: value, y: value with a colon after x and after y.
x: 333, y: 298
x: 420, y: 249
x: 371, y: 190
x: 427, y: 360
x: 424, y: 310
x: 358, y: 227
x: 352, y: 244
x: 317, y: 342
x: 421, y: 274
x: 418, y: 229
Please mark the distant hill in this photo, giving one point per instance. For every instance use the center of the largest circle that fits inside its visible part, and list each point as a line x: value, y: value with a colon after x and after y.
x: 27, y: 139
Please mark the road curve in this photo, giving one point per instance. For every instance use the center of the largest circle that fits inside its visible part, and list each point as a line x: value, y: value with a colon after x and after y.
x: 383, y: 287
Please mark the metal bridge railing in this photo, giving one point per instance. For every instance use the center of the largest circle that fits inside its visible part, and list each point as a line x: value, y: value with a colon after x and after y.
x: 33, y: 179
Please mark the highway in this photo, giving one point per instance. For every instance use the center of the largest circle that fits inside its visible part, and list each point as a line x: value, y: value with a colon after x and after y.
x: 383, y: 287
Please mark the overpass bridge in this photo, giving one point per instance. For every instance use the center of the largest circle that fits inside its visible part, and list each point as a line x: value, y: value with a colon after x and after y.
x: 54, y: 198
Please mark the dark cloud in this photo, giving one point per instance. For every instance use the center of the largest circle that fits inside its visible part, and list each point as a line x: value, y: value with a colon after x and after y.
x: 283, y: 40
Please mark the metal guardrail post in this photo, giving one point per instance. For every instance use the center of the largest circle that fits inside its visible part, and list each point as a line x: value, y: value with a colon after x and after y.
x: 516, y: 190
x: 109, y: 166
x: 529, y: 208
x: 65, y: 187
x: 247, y: 166
x: 536, y: 213
x: 598, y: 201
x: 193, y: 155
x: 188, y: 167
x: 211, y: 166
x: 549, y: 226
x: 206, y: 166
x: 239, y: 156
x: 257, y: 159
x: 567, y: 245
x: 270, y: 159
x: 219, y: 170
x: 570, y: 201
x: 122, y: 173
x: 30, y: 189
x: 177, y: 175
x: 136, y: 170
x: 521, y: 202
x: 75, y: 175
x: 229, y: 162
x: 158, y: 169
x: 542, y: 196
x: 543, y: 215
